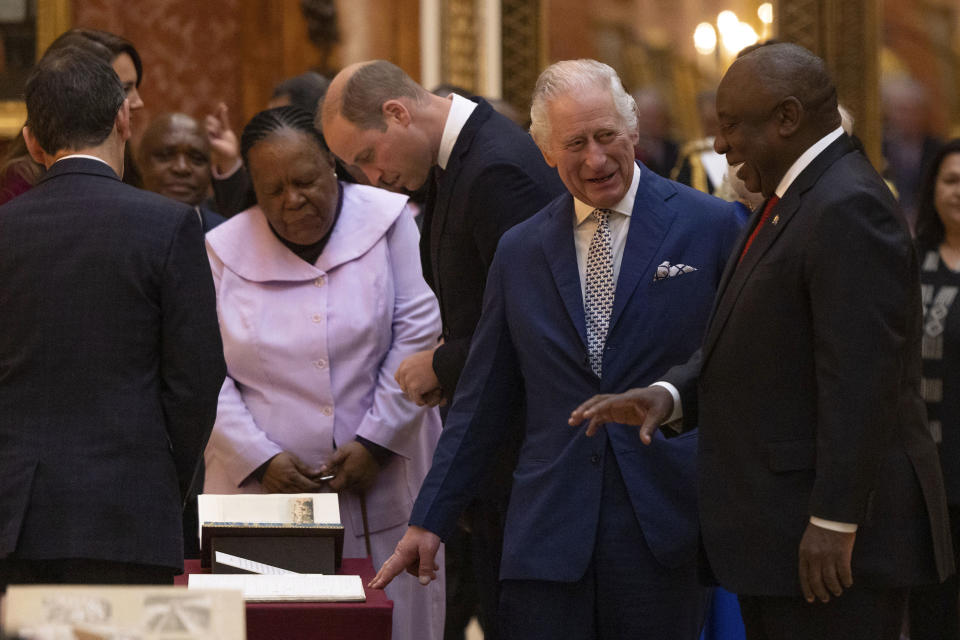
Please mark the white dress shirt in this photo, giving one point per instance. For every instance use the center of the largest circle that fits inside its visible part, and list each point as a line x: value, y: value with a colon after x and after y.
x: 460, y: 111
x: 83, y: 155
x: 584, y: 226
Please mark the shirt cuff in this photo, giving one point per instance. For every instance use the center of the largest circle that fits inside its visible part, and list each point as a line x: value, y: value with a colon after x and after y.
x: 381, y: 455
x: 226, y: 174
x: 842, y: 527
x: 677, y: 407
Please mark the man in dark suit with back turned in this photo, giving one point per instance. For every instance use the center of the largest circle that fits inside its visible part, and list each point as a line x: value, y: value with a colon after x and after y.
x: 110, y: 354
x: 488, y: 176
x: 821, y: 499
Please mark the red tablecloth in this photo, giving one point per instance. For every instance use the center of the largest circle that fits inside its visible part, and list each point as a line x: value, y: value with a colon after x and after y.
x: 368, y: 620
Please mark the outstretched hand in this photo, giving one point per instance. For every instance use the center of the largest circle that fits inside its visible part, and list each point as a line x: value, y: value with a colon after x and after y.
x: 646, y: 408
x: 416, y: 553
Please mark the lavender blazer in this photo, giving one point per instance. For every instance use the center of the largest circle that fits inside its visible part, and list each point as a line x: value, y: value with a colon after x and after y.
x: 311, y: 350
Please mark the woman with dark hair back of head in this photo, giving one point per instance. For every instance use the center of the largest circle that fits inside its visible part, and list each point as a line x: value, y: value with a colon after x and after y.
x: 321, y: 296
x: 933, y: 609
x: 18, y: 172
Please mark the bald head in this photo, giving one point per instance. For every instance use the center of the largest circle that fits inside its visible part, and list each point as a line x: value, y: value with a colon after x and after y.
x: 784, y: 70
x: 174, y: 158
x: 774, y: 103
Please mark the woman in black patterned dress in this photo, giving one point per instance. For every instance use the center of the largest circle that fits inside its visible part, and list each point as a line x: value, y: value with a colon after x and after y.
x: 933, y: 610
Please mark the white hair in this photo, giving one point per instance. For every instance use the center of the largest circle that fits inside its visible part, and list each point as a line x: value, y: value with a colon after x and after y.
x: 568, y: 76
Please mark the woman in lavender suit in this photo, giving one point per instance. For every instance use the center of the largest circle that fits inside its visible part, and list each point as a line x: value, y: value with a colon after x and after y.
x: 320, y: 297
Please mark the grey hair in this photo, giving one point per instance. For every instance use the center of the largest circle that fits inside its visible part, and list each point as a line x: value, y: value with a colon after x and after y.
x: 568, y: 76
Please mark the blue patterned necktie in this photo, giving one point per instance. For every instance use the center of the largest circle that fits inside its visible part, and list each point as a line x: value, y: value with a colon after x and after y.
x: 598, y: 289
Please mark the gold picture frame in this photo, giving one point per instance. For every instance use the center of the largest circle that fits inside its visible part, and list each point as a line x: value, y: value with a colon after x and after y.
x: 53, y: 18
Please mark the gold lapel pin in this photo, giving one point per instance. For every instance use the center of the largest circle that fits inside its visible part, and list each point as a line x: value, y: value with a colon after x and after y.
x: 776, y: 219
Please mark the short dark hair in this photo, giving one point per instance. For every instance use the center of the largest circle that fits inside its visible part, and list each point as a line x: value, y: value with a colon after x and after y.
x: 271, y: 120
x: 369, y: 87
x: 305, y: 90
x: 787, y: 69
x: 930, y: 229
x: 73, y: 97
x: 111, y: 42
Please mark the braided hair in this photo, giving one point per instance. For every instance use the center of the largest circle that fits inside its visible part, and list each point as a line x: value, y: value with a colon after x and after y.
x: 267, y: 122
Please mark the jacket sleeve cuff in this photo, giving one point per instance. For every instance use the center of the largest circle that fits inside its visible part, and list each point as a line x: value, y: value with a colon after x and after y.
x: 832, y: 525
x: 382, y: 455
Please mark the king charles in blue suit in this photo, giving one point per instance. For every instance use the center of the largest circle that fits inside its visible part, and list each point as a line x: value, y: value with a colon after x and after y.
x: 601, y: 533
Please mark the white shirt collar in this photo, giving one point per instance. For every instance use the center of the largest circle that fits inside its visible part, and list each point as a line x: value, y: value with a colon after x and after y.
x: 460, y: 110
x: 85, y: 156
x: 805, y: 159
x: 582, y: 210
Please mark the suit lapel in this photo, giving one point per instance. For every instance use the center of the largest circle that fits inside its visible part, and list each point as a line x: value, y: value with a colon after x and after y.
x: 560, y: 253
x: 438, y: 212
x: 649, y: 223
x: 427, y: 253
x: 736, y: 275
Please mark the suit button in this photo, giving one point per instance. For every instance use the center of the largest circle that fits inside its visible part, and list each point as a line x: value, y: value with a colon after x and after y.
x: 595, y: 459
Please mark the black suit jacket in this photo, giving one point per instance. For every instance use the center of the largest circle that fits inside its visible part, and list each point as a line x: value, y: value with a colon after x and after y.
x: 808, y: 391
x: 495, y: 178
x: 110, y: 367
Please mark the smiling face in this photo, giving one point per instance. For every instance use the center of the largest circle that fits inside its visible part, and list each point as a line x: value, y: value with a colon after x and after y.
x: 590, y: 146
x: 946, y: 193
x: 175, y: 160
x: 397, y: 158
x: 295, y: 185
x: 748, y: 131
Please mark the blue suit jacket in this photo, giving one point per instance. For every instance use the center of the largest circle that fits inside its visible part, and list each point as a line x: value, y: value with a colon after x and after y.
x: 532, y: 340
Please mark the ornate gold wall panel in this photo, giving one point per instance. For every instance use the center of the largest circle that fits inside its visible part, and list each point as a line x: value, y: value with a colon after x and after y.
x: 846, y: 33
x: 522, y: 49
x: 53, y: 17
x: 461, y: 51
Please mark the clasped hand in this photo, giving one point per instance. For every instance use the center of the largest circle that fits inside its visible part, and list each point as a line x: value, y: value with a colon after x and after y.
x: 418, y: 381
x: 353, y: 469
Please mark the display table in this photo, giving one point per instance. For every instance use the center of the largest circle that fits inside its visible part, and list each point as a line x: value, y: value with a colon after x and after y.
x: 370, y: 620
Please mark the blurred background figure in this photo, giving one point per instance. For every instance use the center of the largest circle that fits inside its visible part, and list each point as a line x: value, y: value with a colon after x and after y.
x: 933, y: 609
x: 232, y: 190
x: 700, y: 166
x: 18, y: 171
x: 908, y: 145
x: 174, y: 161
x: 321, y: 296
x: 655, y: 147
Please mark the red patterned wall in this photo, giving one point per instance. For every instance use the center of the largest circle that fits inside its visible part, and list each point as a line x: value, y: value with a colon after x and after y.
x: 190, y: 51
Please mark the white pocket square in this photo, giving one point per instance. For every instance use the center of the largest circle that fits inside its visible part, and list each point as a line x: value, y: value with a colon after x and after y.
x: 667, y: 270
